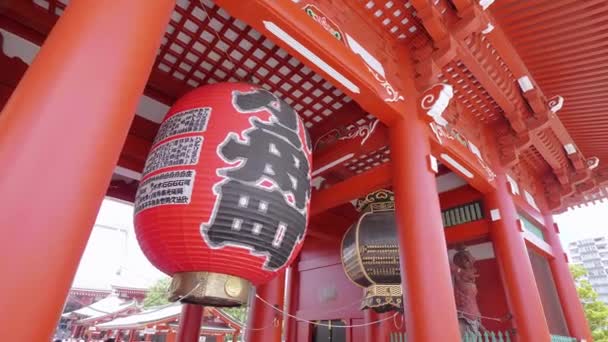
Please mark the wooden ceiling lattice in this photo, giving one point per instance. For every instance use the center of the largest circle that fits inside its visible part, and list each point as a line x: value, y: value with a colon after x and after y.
x: 533, y: 158
x: 53, y: 6
x: 203, y: 44
x: 469, y: 92
x: 366, y: 162
x: 397, y: 17
x: 496, y: 67
x: 548, y: 137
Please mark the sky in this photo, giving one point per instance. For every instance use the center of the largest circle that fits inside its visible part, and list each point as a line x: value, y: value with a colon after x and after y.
x: 113, y: 246
x: 583, y: 223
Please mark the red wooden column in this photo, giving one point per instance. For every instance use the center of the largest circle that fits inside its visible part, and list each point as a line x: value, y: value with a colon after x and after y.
x: 425, y: 269
x: 261, y: 325
x: 386, y: 326
x: 132, y: 334
x: 190, y: 323
x: 371, y: 331
x: 293, y: 294
x: 566, y: 289
x: 61, y: 133
x: 514, y: 261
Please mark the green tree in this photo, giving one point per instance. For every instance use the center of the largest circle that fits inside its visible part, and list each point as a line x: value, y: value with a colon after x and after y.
x: 240, y: 315
x: 595, y: 310
x: 158, y: 293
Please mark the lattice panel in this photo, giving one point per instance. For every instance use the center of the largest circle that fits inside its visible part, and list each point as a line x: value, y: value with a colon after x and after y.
x: 490, y: 59
x: 205, y: 45
x: 53, y: 6
x: 533, y: 158
x: 469, y: 92
x: 398, y: 17
x: 550, y: 139
x: 366, y: 162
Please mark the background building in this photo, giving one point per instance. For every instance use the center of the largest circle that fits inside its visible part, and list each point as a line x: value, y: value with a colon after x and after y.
x: 592, y: 254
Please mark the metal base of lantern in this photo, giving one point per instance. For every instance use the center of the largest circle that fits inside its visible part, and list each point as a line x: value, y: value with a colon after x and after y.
x: 209, y: 289
x: 383, y: 298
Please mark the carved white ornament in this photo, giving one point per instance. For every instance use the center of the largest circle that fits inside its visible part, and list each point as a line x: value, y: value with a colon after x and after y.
x: 525, y: 83
x: 488, y: 29
x: 364, y: 131
x: 317, y: 182
x: 485, y: 4
x: 433, y: 164
x: 531, y: 200
x: 592, y: 162
x: 570, y: 149
x: 463, y: 170
x: 311, y: 56
x: 555, y: 103
x: 393, y: 95
x: 513, y: 184
x: 495, y: 214
x: 436, y: 105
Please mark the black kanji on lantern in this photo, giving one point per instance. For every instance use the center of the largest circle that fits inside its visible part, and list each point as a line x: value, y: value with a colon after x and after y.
x: 267, y: 220
x: 261, y: 221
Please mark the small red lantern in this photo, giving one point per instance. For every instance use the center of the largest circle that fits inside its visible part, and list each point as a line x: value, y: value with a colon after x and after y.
x: 225, y: 192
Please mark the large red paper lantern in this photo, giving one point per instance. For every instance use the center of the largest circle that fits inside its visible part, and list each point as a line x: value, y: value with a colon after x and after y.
x: 225, y: 192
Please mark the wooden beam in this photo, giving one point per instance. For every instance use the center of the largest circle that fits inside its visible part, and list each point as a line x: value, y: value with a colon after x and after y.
x: 351, y: 189
x: 349, y: 148
x: 347, y: 114
x: 505, y: 49
x: 33, y: 23
x: 286, y: 24
x: 466, y: 39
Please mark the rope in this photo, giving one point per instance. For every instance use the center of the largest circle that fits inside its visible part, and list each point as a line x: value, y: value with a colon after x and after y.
x: 323, y: 324
x: 480, y: 316
x: 275, y: 323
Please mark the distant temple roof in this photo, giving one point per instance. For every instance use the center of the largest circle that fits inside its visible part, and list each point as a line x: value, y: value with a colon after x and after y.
x: 108, y: 306
x: 153, y: 315
x: 166, y: 314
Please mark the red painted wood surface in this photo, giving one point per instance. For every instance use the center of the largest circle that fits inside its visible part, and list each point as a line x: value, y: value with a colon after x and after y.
x: 566, y: 289
x: 429, y: 294
x: 491, y: 296
x: 516, y: 270
x: 190, y: 323
x: 77, y: 154
x: 264, y: 323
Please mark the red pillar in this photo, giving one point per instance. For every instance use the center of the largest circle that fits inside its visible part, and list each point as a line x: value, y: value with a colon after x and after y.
x: 61, y: 133
x: 566, y: 289
x: 371, y: 331
x: 171, y: 336
x: 190, y: 323
x: 263, y: 316
x: 132, y: 334
x: 148, y: 338
x: 293, y: 295
x: 516, y: 269
x: 425, y: 269
x: 221, y: 338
